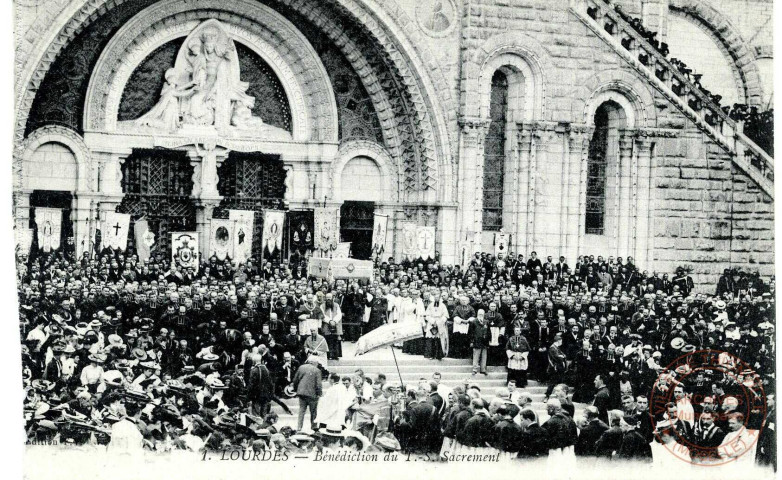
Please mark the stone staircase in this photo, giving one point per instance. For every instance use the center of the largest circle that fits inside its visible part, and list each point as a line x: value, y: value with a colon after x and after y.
x: 414, y: 368
x: 677, y: 87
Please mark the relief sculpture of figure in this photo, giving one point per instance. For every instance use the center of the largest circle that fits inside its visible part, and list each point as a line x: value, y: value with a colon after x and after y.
x: 204, y: 89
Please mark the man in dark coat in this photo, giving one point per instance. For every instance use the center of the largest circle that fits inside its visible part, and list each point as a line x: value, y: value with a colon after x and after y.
x: 707, y: 436
x: 477, y: 432
x: 479, y: 338
x: 506, y: 435
x: 634, y: 445
x: 591, y: 432
x: 307, y: 383
x: 260, y: 387
x: 534, y: 441
x: 416, y: 421
x: 557, y: 364
x: 767, y: 440
x: 602, y: 399
x: 561, y: 429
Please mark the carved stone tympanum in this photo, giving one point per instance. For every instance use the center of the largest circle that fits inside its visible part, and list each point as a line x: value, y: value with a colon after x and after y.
x: 203, y: 92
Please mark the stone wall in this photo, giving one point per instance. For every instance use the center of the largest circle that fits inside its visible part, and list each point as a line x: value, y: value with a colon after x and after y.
x: 708, y: 214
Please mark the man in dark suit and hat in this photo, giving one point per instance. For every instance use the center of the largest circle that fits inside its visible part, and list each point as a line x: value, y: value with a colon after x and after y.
x: 260, y: 388
x: 593, y: 429
x: 557, y: 364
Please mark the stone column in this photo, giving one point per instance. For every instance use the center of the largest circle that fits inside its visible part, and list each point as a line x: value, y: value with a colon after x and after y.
x: 575, y: 199
x: 446, y: 230
x: 473, y: 135
x: 523, y: 219
x: 205, y: 159
x: 643, y: 206
x: 83, y: 214
x: 625, y: 185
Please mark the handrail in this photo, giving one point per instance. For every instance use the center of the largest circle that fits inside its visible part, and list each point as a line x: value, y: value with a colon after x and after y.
x: 601, y: 17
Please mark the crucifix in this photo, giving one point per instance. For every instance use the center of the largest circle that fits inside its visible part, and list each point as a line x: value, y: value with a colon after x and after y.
x: 116, y: 229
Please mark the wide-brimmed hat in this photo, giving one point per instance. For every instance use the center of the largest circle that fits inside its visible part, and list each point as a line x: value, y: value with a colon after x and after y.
x: 689, y: 348
x: 42, y: 385
x: 289, y: 391
x: 139, y: 354
x: 354, y: 435
x: 720, y: 305
x: 149, y: 364
x: 95, y: 323
x: 82, y: 328
x: 113, y: 378
x: 97, y: 358
x: 677, y: 343
x: 210, y: 357
x: 116, y: 340
x: 216, y: 384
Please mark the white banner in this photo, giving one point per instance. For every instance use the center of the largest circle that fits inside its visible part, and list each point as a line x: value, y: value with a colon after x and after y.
x: 273, y: 222
x: 326, y: 229
x: 379, y: 234
x: 145, y: 239
x: 409, y: 240
x: 343, y: 250
x: 24, y: 240
x: 501, y: 241
x: 221, y: 238
x: 114, y: 230
x: 243, y: 221
x: 425, y: 242
x: 49, y: 223
x: 184, y: 249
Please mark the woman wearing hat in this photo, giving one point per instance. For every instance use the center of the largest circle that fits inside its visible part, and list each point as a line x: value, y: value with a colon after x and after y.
x: 92, y: 375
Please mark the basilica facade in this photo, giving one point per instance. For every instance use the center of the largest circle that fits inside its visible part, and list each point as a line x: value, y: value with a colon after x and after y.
x: 564, y: 126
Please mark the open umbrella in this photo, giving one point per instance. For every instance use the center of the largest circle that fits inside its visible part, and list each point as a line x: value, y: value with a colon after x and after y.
x: 388, y: 334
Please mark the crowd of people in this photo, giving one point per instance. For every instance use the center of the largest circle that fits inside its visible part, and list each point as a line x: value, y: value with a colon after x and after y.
x: 144, y: 354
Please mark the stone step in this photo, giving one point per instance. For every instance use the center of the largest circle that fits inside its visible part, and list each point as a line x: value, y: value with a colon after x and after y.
x: 447, y: 377
x: 407, y: 367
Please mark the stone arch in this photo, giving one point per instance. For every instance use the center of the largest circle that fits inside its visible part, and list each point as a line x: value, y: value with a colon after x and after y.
x: 621, y: 87
x: 739, y: 50
x: 518, y: 53
x: 63, y: 136
x: 388, y: 26
x: 367, y: 149
x: 264, y: 31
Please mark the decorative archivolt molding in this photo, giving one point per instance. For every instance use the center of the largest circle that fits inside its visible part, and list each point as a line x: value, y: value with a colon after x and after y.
x: 55, y: 134
x: 267, y: 33
x: 619, y: 86
x: 365, y: 148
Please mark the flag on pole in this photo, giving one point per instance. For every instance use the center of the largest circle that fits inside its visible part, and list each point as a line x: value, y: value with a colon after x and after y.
x: 425, y: 242
x: 24, y: 240
x: 49, y: 224
x: 115, y: 230
x: 379, y: 234
x: 184, y: 249
x: 301, y: 224
x: 273, y: 223
x: 145, y: 239
x: 501, y: 243
x: 221, y: 241
x: 326, y: 229
x: 243, y: 221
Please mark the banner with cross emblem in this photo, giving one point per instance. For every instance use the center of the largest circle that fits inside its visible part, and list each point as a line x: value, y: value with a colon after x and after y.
x: 425, y: 239
x: 184, y: 249
x: 379, y: 234
x: 326, y: 229
x: 49, y: 224
x: 115, y: 230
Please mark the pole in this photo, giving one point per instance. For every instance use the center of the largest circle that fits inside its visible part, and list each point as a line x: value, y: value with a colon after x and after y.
x: 402, y: 382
